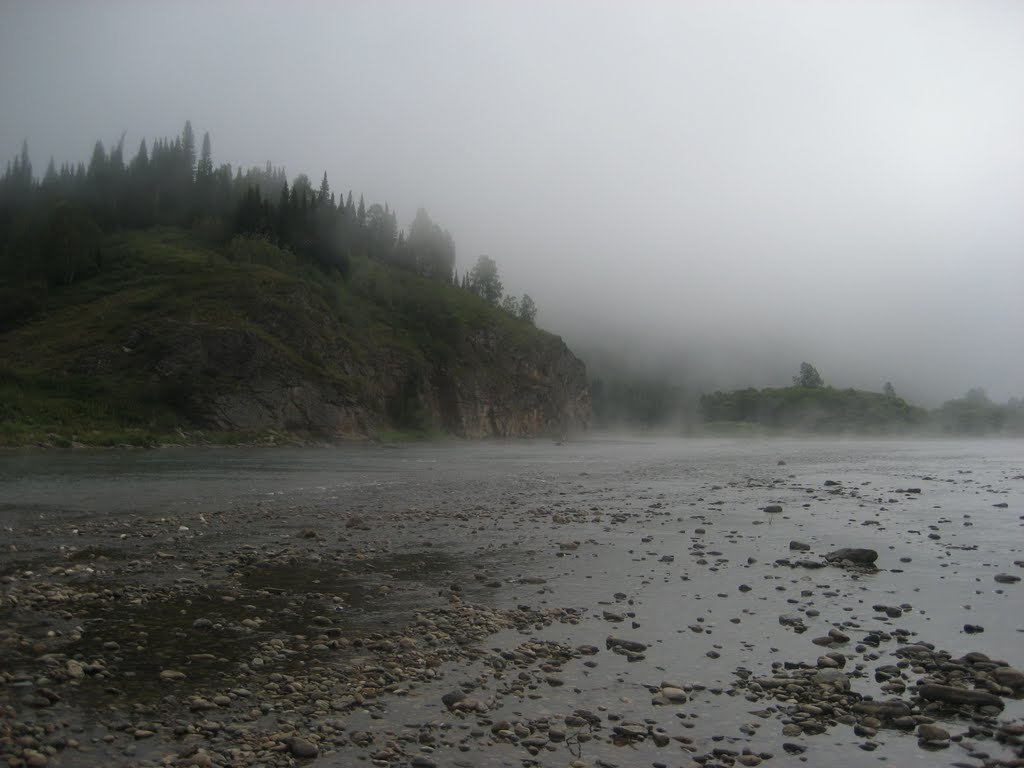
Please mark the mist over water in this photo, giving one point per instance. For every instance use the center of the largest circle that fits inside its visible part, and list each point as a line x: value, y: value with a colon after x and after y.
x: 717, y: 190
x: 684, y: 548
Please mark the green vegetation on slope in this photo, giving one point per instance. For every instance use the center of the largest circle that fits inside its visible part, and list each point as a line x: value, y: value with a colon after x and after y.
x: 815, y: 409
x: 809, y: 405
x: 143, y: 297
x: 81, y: 366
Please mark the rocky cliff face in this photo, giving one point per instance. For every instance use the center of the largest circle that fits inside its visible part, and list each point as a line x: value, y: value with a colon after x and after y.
x: 499, y: 389
x: 494, y: 384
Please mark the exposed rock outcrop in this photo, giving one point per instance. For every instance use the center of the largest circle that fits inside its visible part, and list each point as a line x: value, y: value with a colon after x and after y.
x: 494, y: 384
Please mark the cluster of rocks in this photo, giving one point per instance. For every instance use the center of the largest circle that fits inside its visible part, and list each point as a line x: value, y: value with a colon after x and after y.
x: 245, y: 696
x: 822, y: 695
x: 238, y: 638
x: 850, y: 558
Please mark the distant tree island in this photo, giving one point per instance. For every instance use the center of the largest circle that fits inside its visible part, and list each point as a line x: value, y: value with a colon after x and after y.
x: 626, y: 400
x: 810, y: 405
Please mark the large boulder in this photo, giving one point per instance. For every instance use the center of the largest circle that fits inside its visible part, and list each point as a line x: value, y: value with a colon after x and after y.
x: 853, y: 555
x: 949, y: 695
x: 1010, y: 677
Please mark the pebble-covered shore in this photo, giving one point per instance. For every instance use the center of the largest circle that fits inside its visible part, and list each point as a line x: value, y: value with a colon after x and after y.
x: 523, y: 621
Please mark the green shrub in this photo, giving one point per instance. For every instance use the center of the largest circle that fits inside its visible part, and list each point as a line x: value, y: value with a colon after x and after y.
x: 257, y: 249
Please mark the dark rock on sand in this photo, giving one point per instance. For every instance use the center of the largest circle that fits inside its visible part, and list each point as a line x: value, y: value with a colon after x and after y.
x: 853, y: 555
x: 932, y: 732
x: 947, y: 694
x: 302, y: 748
x: 632, y: 646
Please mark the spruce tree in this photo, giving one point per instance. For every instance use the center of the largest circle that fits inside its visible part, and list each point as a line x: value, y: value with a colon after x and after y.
x: 204, y: 170
x: 50, y: 179
x: 141, y: 162
x: 188, y: 151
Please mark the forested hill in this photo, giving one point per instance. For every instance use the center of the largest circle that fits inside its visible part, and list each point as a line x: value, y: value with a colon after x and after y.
x: 812, y: 409
x: 811, y: 406
x: 163, y: 299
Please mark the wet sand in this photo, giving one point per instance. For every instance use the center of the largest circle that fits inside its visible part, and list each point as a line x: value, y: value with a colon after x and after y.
x: 606, y: 602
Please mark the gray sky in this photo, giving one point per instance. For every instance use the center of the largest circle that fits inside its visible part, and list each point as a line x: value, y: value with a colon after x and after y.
x: 738, y: 186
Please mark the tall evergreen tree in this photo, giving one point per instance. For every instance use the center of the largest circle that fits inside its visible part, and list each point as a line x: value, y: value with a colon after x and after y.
x: 140, y: 164
x: 188, y: 150
x: 431, y: 249
x: 117, y: 157
x: 98, y: 161
x: 23, y: 176
x: 51, y: 179
x: 527, y: 309
x: 484, y: 280
x: 204, y: 170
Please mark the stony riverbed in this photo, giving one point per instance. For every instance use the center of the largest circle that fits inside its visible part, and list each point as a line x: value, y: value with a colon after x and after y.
x: 610, y: 602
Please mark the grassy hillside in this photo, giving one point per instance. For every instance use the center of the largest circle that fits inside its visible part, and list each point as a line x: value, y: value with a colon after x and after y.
x: 74, y: 368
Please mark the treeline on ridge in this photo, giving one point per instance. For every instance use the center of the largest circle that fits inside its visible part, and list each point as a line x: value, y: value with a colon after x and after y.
x: 52, y: 228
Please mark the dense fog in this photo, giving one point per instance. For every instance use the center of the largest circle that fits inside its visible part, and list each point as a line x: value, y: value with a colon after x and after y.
x: 712, y: 191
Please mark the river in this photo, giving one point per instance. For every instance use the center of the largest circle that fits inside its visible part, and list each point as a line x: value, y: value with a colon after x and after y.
x: 660, y: 541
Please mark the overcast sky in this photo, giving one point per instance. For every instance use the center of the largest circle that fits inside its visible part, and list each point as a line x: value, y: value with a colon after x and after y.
x: 738, y: 186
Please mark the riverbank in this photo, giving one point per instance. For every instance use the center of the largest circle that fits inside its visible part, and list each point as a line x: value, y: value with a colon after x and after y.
x: 633, y: 603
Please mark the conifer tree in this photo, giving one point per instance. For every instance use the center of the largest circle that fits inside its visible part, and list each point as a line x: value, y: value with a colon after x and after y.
x: 51, y: 179
x: 484, y: 280
x: 188, y: 150
x: 204, y: 170
x: 23, y: 173
x: 141, y: 162
x: 98, y: 161
x: 527, y: 309
x: 117, y: 157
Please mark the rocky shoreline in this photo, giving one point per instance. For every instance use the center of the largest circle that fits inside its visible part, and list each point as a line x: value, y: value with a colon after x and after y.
x: 320, y: 634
